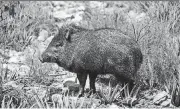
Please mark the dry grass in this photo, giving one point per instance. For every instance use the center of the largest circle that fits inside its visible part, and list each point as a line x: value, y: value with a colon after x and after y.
x: 18, y: 26
x: 157, y: 36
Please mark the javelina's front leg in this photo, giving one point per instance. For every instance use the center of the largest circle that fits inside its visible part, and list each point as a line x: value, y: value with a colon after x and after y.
x: 92, y: 78
x: 82, y: 80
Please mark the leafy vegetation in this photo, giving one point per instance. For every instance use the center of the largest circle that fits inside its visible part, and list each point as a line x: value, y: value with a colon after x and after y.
x: 157, y: 34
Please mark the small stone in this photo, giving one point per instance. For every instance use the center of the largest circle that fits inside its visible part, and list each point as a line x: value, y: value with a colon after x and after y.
x: 80, y: 8
x: 56, y: 88
x: 72, y: 86
x: 166, y: 103
x: 43, y: 35
x: 11, y: 83
x: 12, y: 53
x: 73, y: 79
x: 68, y: 83
x: 61, y: 14
x: 96, y: 102
x: 160, y: 97
x: 149, y: 97
x: 56, y: 97
x: 58, y: 3
x: 142, y: 101
x: 113, y: 106
x: 95, y: 4
x: 13, y: 59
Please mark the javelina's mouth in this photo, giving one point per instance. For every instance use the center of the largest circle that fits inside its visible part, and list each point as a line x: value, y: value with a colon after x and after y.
x: 47, y: 59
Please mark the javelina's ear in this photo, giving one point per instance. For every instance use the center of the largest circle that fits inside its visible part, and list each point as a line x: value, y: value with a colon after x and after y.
x: 68, y: 35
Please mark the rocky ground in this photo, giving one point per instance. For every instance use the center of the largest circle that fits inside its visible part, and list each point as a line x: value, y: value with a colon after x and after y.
x: 28, y: 73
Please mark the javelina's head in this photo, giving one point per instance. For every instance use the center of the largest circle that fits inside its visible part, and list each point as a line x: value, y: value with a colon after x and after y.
x: 55, y: 50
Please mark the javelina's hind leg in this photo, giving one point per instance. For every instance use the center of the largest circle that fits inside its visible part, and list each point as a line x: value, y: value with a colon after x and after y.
x: 82, y: 80
x: 125, y: 81
x: 131, y: 85
x: 92, y: 78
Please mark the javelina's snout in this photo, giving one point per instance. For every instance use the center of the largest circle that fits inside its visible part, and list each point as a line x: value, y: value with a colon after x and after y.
x: 49, y: 55
x: 44, y: 57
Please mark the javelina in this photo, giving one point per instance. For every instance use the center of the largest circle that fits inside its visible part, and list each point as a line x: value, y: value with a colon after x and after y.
x: 93, y: 52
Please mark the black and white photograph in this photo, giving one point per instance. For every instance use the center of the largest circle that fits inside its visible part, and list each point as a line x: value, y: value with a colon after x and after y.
x: 89, y: 54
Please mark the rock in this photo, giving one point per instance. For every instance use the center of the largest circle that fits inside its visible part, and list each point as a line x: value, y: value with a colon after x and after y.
x: 75, y: 10
x: 96, y: 102
x: 137, y: 17
x: 108, y: 11
x: 11, y: 67
x: 57, y: 85
x: 166, y: 103
x: 160, y: 97
x: 33, y: 51
x: 43, y: 35
x: 38, y: 46
x: 55, y: 88
x: 61, y: 14
x: 13, y: 53
x: 96, y: 4
x: 57, y: 8
x: 56, y: 98
x: 11, y: 83
x: 17, y: 59
x: 13, y: 59
x: 113, y: 106
x: 72, y: 86
x: 140, y: 17
x: 77, y: 17
x: 73, y: 79
x: 55, y: 66
x: 69, y: 83
x: 59, y: 3
x: 81, y: 8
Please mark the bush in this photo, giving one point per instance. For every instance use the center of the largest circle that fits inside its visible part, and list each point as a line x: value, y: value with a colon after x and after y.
x: 19, y: 20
